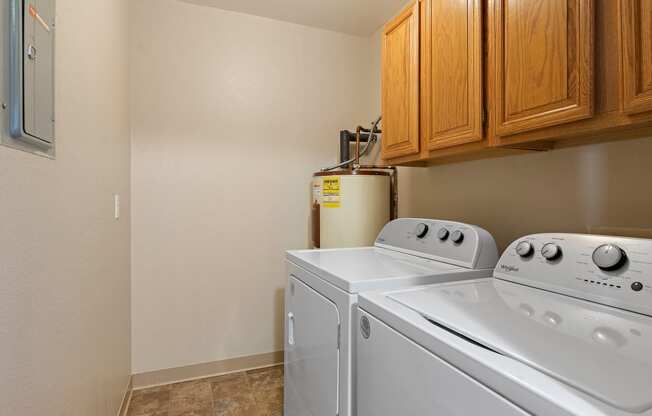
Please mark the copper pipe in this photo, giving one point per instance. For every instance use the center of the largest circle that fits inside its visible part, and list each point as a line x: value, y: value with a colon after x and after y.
x: 372, y: 138
x: 358, y: 130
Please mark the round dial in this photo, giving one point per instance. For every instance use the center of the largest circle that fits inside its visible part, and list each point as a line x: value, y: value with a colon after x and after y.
x: 457, y: 237
x: 609, y: 257
x: 524, y: 249
x: 443, y: 234
x: 422, y: 230
x: 551, y: 251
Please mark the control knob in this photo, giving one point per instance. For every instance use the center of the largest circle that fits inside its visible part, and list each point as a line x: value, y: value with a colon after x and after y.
x: 551, y: 251
x: 524, y: 249
x: 443, y: 234
x: 609, y: 257
x: 422, y: 230
x: 457, y: 237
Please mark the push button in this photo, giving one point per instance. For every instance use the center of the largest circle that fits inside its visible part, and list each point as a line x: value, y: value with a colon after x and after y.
x: 637, y: 286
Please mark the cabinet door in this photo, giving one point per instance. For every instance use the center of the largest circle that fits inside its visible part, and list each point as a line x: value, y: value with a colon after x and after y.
x: 636, y: 26
x: 452, y: 84
x: 400, y: 84
x: 541, y: 69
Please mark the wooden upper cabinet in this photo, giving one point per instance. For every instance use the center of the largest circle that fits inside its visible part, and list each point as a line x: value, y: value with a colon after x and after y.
x: 636, y: 29
x: 541, y: 63
x: 452, y: 99
x: 400, y: 84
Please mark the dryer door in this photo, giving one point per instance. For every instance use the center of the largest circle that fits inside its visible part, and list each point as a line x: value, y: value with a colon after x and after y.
x: 311, y: 352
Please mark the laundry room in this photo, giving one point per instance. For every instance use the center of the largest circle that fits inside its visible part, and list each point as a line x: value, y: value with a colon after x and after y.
x: 312, y: 208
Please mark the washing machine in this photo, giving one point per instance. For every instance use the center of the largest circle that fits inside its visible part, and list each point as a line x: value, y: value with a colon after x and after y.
x: 564, y: 328
x: 322, y: 295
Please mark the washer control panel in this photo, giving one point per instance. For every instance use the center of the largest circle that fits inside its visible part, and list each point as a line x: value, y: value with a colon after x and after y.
x: 447, y: 241
x: 615, y: 271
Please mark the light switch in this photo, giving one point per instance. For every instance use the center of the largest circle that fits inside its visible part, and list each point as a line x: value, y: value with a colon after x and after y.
x: 116, y: 206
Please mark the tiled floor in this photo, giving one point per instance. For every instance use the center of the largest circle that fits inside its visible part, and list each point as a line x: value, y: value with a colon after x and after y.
x: 250, y: 393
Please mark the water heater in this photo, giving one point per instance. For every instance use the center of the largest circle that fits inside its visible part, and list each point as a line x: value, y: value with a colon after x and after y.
x: 350, y: 207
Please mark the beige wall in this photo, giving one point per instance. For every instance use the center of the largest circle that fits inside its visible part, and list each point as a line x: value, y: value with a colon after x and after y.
x: 567, y: 190
x: 232, y: 114
x: 64, y: 260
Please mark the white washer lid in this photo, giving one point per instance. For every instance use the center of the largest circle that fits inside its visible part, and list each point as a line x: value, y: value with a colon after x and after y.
x: 602, y: 351
x: 371, y: 268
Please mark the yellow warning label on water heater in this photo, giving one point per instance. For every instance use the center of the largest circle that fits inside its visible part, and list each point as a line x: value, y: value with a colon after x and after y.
x: 331, y: 192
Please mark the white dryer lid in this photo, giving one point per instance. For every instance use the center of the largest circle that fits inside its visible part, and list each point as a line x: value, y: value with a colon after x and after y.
x: 602, y: 351
x: 371, y: 268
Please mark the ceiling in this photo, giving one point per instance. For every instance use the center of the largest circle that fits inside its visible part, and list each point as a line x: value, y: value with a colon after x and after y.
x: 355, y: 17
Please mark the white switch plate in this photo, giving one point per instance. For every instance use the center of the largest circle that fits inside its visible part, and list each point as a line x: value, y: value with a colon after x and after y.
x: 116, y: 206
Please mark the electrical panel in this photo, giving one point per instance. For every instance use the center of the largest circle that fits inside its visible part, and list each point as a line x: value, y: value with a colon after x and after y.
x: 27, y: 58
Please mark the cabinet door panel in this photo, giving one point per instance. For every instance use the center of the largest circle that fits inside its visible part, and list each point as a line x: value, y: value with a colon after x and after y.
x: 636, y: 27
x: 541, y: 63
x: 400, y: 84
x: 452, y: 86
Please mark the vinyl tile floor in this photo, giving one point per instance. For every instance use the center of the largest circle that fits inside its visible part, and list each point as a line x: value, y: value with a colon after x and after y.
x: 249, y: 393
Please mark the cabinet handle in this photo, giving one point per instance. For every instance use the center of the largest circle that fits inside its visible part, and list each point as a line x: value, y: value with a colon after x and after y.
x: 290, y: 328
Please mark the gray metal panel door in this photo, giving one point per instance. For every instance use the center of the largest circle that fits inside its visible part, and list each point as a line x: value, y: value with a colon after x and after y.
x: 38, y: 63
x: 311, y: 352
x: 398, y: 377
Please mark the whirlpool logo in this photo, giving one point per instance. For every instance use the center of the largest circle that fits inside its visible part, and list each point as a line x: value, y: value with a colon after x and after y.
x: 508, y: 269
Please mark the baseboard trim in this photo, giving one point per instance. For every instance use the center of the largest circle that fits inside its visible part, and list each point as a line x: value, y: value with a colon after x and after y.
x: 124, y: 406
x: 198, y: 371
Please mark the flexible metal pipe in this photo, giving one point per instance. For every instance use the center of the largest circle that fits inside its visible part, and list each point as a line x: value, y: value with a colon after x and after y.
x: 372, y: 139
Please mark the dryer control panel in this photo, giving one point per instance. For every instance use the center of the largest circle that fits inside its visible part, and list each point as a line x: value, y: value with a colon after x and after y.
x: 446, y: 241
x: 615, y: 271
